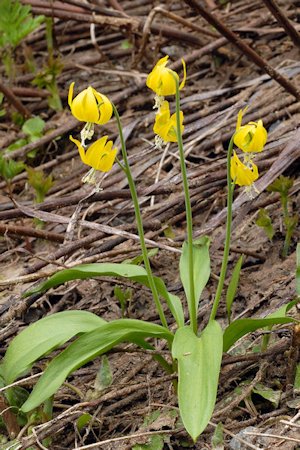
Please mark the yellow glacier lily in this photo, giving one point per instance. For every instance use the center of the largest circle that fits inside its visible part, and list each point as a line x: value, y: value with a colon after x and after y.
x: 241, y: 174
x: 250, y: 138
x: 161, y: 79
x: 100, y: 155
x: 90, y: 106
x: 165, y: 125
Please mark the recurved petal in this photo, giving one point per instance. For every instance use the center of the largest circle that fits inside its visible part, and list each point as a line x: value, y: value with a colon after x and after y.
x: 81, y: 150
x: 259, y: 138
x: 94, y: 152
x: 184, y: 74
x: 70, y: 95
x: 243, y: 136
x: 107, y: 160
x: 84, y: 106
x: 105, y: 107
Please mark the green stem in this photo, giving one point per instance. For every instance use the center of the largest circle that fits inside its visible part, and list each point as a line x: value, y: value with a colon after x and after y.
x: 139, y: 221
x: 188, y: 212
x: 230, y: 189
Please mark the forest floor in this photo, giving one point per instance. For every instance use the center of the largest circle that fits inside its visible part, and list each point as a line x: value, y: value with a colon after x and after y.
x: 112, y: 46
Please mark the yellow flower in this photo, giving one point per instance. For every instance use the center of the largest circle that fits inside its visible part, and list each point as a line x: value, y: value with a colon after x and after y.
x: 99, y: 156
x: 161, y: 79
x: 90, y: 106
x: 250, y: 138
x: 165, y: 125
x: 241, y: 174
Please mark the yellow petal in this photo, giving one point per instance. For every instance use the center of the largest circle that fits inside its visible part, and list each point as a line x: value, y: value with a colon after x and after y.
x: 93, y: 153
x: 70, y: 95
x: 107, y: 160
x: 105, y: 108
x: 241, y: 174
x: 161, y: 78
x: 240, y: 117
x: 81, y: 150
x: 184, y: 74
x: 100, y: 155
x: 259, y: 139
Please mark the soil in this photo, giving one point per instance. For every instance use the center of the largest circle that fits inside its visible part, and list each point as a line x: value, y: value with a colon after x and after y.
x: 138, y: 410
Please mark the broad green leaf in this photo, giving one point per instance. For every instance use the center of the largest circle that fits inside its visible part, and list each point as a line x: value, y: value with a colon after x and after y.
x: 298, y: 270
x: 240, y: 327
x: 134, y: 273
x: 201, y: 265
x: 199, y: 362
x: 43, y: 336
x: 85, y: 348
x: 233, y: 284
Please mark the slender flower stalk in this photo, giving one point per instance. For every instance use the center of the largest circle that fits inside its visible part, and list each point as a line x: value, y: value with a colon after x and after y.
x: 188, y: 209
x: 139, y: 222
x: 230, y: 189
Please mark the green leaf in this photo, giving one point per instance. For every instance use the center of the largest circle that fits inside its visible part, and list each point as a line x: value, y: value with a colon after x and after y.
x: 34, y: 127
x: 233, y: 284
x: 298, y: 270
x: 199, y: 362
x: 83, y: 420
x: 282, y: 185
x: 217, y: 441
x: 201, y: 264
x: 240, y: 327
x: 43, y: 336
x: 139, y: 259
x: 268, y: 394
x: 132, y: 272
x: 156, y: 443
x: 104, y: 375
x: 10, y: 168
x: 85, y: 348
x: 264, y: 221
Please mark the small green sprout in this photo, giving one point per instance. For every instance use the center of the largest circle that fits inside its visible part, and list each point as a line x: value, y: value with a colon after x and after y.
x: 264, y: 221
x: 16, y: 22
x: 283, y: 185
x: 40, y: 183
x: 10, y: 168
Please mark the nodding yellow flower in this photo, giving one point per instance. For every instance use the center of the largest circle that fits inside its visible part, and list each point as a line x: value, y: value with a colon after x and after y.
x: 90, y: 106
x: 99, y: 156
x: 241, y: 174
x: 165, y: 125
x: 161, y: 79
x: 250, y: 138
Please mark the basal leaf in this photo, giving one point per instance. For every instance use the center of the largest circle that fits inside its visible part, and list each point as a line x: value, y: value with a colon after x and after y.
x: 86, y: 348
x: 134, y: 273
x: 201, y: 264
x: 199, y: 362
x: 240, y: 327
x: 43, y: 336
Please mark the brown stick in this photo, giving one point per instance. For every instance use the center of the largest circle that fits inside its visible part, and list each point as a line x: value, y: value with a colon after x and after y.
x: 248, y: 51
x: 28, y: 231
x: 11, y: 98
x: 283, y: 21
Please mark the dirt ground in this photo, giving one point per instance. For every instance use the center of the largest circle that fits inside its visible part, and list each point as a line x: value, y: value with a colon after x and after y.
x: 113, y: 45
